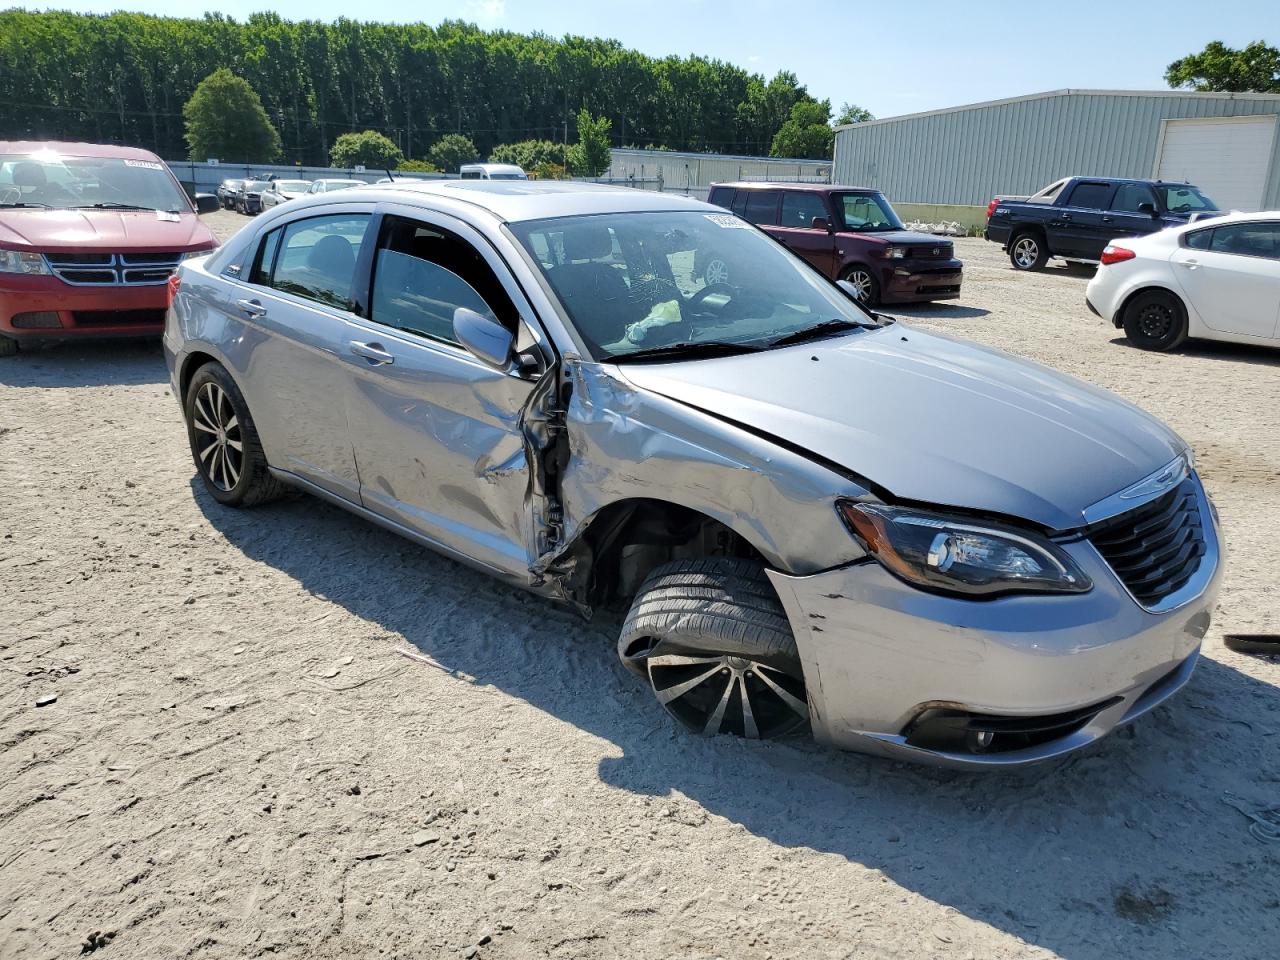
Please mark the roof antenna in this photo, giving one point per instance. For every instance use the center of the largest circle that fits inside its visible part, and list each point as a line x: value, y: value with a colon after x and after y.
x: 389, y: 176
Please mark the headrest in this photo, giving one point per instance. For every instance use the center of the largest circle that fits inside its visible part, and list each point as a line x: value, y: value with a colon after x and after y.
x: 29, y: 174
x: 332, y: 255
x: 587, y: 241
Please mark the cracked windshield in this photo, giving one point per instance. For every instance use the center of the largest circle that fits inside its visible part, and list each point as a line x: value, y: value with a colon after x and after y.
x: 638, y: 282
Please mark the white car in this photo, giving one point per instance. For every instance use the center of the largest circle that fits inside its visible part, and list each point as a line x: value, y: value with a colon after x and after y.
x: 1215, y: 279
x: 328, y: 186
x: 281, y: 190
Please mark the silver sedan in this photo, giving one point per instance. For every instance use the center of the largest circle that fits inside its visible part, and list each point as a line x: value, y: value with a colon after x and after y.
x: 807, y: 514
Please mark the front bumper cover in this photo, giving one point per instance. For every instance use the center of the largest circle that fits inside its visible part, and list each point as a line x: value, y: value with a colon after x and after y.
x: 877, y: 653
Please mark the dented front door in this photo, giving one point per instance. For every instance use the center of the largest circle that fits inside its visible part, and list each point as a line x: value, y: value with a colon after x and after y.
x: 437, y: 433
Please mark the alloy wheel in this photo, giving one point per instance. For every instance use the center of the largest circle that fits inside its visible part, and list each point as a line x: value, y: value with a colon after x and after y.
x: 716, y: 271
x: 1025, y: 252
x: 219, y: 441
x: 723, y: 694
x: 862, y: 284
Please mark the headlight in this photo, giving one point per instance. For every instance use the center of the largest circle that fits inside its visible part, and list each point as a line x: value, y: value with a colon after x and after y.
x: 895, y: 253
x: 951, y: 554
x: 14, y: 261
x: 192, y: 254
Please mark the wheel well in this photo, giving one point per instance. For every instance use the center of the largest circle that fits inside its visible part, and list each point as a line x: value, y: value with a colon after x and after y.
x: 625, y: 540
x: 1118, y: 320
x: 1034, y: 230
x: 193, y: 363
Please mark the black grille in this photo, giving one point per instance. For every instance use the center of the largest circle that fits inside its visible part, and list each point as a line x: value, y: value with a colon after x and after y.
x: 935, y: 251
x: 113, y: 269
x: 1156, y: 548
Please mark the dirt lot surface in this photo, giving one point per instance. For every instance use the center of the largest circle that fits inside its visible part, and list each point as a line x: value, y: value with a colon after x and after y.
x: 239, y: 761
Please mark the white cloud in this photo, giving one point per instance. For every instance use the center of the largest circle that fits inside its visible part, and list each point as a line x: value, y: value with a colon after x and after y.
x: 754, y: 58
x: 486, y: 13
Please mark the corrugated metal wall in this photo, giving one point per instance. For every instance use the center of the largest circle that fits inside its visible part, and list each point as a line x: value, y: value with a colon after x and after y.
x: 970, y: 154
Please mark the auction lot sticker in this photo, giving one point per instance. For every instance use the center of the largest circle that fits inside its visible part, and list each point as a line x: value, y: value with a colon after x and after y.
x: 728, y: 221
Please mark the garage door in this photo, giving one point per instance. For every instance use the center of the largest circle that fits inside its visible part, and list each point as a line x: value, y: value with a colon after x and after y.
x: 1226, y: 157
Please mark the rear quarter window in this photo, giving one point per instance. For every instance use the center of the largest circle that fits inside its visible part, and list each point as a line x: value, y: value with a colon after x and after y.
x: 722, y: 197
x: 1091, y: 196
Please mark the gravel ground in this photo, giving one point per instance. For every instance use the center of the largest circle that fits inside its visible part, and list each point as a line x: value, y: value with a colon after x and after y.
x: 240, y: 761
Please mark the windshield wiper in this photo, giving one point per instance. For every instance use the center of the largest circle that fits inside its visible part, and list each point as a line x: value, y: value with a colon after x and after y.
x: 824, y: 329
x: 27, y: 203
x: 687, y: 350
x: 111, y: 205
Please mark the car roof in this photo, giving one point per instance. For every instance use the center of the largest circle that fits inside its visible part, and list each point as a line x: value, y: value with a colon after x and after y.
x: 787, y: 185
x: 71, y: 149
x: 517, y: 200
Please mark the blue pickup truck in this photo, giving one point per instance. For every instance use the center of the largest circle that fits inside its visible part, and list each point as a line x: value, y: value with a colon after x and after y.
x: 1075, y: 218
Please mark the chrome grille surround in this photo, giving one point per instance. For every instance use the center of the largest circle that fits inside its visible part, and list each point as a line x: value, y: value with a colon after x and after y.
x: 113, y: 269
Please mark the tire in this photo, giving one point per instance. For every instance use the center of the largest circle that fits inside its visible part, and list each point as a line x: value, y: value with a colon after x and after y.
x: 862, y: 278
x: 8, y: 347
x: 714, y: 644
x: 218, y: 420
x: 1155, y: 320
x: 1027, y: 251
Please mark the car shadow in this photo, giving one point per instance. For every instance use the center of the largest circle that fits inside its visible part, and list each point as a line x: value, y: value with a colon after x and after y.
x: 1219, y: 350
x: 1129, y: 833
x: 100, y: 363
x: 935, y: 311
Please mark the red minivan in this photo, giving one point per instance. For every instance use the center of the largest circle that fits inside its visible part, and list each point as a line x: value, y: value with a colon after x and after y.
x: 89, y: 235
x: 847, y: 233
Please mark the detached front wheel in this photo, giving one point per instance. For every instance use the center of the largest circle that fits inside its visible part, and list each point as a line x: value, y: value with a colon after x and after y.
x: 712, y: 641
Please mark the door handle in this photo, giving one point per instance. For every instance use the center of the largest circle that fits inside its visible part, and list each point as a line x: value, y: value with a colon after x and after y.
x: 1190, y: 264
x: 1106, y: 219
x: 372, y: 352
x: 1066, y: 216
x: 252, y: 308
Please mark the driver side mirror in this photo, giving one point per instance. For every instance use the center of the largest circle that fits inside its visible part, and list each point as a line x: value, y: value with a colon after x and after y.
x: 1147, y: 208
x: 207, y: 203
x: 821, y: 223
x: 485, y: 338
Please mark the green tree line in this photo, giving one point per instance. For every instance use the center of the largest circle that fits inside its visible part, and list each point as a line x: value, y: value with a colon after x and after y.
x: 125, y: 77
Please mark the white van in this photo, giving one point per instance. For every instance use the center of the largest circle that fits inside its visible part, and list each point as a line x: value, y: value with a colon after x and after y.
x: 491, y: 171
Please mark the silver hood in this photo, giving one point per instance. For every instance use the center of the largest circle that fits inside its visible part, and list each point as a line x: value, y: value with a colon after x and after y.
x: 934, y: 420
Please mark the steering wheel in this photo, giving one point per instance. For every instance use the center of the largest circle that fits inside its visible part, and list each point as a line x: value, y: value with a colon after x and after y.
x: 709, y: 289
x: 11, y: 195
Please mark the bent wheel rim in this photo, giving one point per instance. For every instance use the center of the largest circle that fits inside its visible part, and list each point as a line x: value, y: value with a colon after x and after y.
x: 719, y: 694
x: 1155, y: 321
x: 1025, y: 251
x: 861, y: 281
x: 717, y: 271
x: 219, y: 441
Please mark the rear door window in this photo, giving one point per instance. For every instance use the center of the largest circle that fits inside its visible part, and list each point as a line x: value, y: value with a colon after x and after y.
x: 1248, y: 240
x: 317, y: 258
x: 799, y: 208
x: 1090, y: 195
x: 762, y: 207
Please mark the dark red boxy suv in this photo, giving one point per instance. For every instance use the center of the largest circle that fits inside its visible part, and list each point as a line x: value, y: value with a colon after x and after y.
x: 847, y: 233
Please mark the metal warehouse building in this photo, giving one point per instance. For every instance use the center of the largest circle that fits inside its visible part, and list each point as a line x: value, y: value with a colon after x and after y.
x: 1225, y: 143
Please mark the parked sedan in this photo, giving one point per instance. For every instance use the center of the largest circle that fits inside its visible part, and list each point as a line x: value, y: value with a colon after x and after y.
x: 1216, y: 280
x: 329, y: 185
x: 278, y: 191
x: 923, y: 548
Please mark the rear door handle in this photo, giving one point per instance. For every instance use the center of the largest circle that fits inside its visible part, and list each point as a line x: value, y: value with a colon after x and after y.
x: 1190, y: 264
x: 252, y: 308
x: 1106, y: 219
x: 372, y: 352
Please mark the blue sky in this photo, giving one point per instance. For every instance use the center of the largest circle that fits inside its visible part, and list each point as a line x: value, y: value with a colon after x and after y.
x: 890, y: 57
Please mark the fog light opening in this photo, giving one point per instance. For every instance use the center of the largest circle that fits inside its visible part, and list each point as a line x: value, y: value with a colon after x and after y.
x: 979, y: 741
x: 40, y: 320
